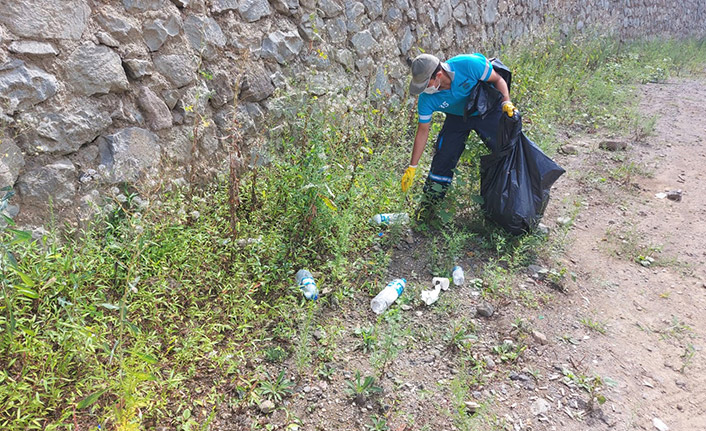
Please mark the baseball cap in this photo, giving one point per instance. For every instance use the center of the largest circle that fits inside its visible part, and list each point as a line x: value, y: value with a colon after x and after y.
x: 422, y: 68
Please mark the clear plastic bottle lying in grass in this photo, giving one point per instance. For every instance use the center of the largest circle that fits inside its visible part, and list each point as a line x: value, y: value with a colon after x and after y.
x: 388, y: 295
x: 306, y: 283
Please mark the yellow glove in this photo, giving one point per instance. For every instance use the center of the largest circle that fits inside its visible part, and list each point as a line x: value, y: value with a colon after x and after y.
x: 508, y: 108
x: 408, y: 178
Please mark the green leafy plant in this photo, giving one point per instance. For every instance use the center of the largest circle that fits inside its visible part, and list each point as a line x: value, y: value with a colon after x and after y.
x: 361, y: 388
x: 509, y: 352
x: 187, y: 421
x: 460, y: 336
x: 594, y: 325
x: 645, y: 261
x: 378, y: 423
x: 389, y: 343
x: 593, y: 385
x: 275, y: 354
x: 676, y: 329
x: 26, y: 286
x: 368, y: 338
x: 521, y: 326
x: 687, y: 357
x: 276, y: 388
x: 326, y: 371
x: 302, y: 354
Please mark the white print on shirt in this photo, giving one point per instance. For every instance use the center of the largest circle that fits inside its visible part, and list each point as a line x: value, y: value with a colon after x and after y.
x: 443, y: 105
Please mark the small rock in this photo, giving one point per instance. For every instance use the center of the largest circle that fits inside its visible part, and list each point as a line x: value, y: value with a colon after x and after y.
x: 247, y: 241
x: 563, y: 221
x: 661, y: 195
x: 539, y: 337
x: 319, y: 335
x: 674, y: 195
x: 409, y: 238
x: 612, y: 145
x: 266, y: 407
x: 489, y: 362
x: 522, y: 377
x: 568, y: 149
x: 536, y: 271
x: 471, y: 407
x: 485, y: 309
x: 540, y: 406
x: 543, y: 229
x: 529, y: 385
x: 406, y: 307
x: 646, y: 261
x: 661, y: 426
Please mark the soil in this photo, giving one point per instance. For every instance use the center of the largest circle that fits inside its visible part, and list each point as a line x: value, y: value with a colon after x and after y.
x: 626, y: 308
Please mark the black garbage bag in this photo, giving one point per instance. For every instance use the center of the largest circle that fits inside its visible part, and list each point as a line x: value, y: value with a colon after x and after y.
x: 484, y: 97
x: 516, y: 180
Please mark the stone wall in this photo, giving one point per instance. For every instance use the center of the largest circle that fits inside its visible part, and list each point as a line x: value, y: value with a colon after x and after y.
x: 95, y: 94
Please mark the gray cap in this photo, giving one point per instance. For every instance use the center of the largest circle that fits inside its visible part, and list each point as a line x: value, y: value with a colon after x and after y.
x: 422, y: 68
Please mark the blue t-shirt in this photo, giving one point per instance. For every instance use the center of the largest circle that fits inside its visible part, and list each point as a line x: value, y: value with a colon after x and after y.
x: 467, y: 70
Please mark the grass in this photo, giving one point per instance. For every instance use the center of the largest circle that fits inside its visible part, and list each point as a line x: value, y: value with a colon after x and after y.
x: 594, y: 325
x: 154, y: 316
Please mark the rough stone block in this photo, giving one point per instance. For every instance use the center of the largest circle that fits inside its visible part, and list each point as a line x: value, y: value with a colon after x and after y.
x: 22, y: 86
x: 95, y: 69
x: 53, y: 184
x: 11, y: 161
x: 129, y: 153
x: 41, y: 19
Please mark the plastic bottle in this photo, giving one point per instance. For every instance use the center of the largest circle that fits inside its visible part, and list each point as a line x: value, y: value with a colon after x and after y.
x: 390, y: 218
x: 306, y: 283
x: 388, y: 295
x: 458, y: 276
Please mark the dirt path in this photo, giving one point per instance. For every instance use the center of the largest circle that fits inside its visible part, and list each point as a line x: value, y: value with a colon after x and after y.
x: 639, y: 328
x: 653, y: 317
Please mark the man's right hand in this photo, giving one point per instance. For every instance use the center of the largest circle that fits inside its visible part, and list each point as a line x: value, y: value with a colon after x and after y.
x: 408, y: 178
x: 509, y: 108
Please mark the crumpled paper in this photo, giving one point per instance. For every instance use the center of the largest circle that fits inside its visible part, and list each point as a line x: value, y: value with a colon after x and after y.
x: 431, y: 296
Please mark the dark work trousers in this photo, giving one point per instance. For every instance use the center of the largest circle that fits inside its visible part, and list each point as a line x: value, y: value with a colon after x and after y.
x: 450, y: 145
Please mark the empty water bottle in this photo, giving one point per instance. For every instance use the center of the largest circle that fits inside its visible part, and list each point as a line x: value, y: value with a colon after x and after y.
x: 458, y: 275
x: 388, y: 295
x: 306, y: 283
x: 390, y: 218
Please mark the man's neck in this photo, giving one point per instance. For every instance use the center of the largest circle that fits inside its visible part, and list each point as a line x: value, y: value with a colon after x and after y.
x: 445, y: 81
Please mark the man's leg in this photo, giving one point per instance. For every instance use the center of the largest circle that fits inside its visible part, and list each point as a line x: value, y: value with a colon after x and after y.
x: 449, y: 147
x: 487, y: 128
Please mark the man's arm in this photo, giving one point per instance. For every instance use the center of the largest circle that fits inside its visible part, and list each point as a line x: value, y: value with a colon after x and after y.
x: 420, y: 141
x: 499, y: 83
